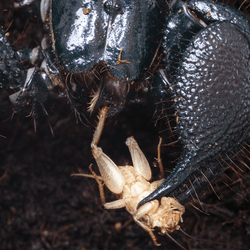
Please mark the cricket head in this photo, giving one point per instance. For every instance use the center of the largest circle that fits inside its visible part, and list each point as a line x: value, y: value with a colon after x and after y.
x: 168, y: 216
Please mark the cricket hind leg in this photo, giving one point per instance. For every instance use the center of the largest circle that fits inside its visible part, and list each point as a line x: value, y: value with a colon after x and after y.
x: 100, y: 184
x: 146, y: 210
x: 108, y: 205
x: 98, y: 131
x: 148, y: 229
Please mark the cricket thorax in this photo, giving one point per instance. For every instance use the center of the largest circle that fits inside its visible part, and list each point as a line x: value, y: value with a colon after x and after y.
x: 135, y: 189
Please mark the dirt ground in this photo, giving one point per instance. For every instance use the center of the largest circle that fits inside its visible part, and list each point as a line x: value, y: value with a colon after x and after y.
x: 43, y: 207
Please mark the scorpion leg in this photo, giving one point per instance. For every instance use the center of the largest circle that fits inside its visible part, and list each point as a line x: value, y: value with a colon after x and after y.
x: 12, y: 75
x: 29, y: 72
x: 211, y: 90
x: 21, y: 72
x: 11, y: 70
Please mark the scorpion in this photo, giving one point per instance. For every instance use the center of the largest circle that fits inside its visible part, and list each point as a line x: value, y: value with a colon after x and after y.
x: 118, y: 54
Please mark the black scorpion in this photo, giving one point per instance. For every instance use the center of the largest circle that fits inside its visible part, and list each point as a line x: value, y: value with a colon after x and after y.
x: 119, y: 53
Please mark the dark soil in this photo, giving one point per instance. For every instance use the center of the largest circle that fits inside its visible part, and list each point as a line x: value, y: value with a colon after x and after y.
x: 43, y: 207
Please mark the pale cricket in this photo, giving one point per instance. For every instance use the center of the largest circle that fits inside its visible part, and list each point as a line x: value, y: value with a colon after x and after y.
x: 131, y: 184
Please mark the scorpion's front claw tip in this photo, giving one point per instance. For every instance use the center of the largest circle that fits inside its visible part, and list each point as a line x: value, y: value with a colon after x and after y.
x: 156, y: 195
x: 172, y: 186
x: 186, y: 182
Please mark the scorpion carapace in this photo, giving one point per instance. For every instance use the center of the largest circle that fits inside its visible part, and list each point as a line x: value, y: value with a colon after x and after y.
x: 116, y: 53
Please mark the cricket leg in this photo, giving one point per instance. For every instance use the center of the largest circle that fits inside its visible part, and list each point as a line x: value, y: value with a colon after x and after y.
x: 147, y: 209
x: 102, y: 117
x: 158, y: 159
x: 100, y: 184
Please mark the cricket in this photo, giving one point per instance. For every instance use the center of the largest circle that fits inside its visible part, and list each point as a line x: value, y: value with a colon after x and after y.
x: 131, y: 184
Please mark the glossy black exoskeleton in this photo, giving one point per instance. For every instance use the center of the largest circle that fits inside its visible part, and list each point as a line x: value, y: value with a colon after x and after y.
x: 114, y: 53
x: 206, y: 52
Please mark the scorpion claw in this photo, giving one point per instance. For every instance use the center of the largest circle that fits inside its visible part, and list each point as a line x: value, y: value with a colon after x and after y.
x: 212, y: 127
x: 185, y: 183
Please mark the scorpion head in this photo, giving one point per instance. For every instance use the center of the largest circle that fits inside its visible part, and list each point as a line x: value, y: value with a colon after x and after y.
x: 103, y: 48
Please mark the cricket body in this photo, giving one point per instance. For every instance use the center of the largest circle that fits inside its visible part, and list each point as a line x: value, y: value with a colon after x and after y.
x: 131, y: 184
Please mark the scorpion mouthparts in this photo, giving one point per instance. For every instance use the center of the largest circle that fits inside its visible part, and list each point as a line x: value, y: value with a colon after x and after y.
x: 111, y: 93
